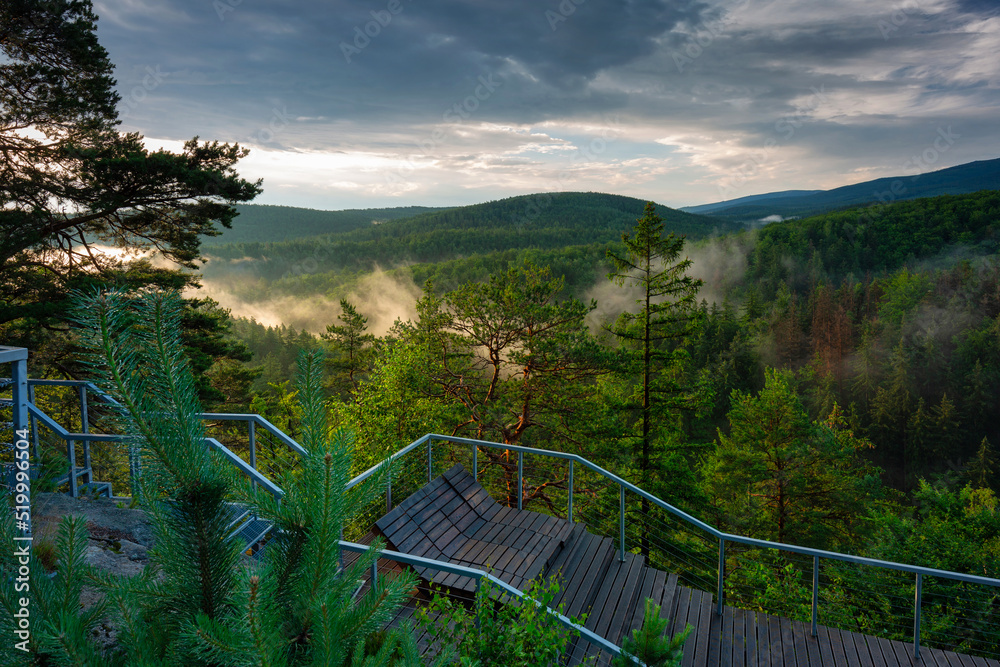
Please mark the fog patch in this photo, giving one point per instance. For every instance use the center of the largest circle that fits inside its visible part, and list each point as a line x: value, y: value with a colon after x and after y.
x: 379, y: 296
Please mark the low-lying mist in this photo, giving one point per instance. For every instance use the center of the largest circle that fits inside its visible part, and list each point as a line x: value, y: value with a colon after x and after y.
x: 379, y: 296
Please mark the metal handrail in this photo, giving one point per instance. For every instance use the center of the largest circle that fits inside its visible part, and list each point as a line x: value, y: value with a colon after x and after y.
x: 715, y: 532
x: 479, y: 576
x: 722, y: 537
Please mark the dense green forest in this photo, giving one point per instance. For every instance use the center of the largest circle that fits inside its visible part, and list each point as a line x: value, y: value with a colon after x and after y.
x: 540, y: 223
x: 829, y: 382
x: 881, y: 323
x: 264, y: 223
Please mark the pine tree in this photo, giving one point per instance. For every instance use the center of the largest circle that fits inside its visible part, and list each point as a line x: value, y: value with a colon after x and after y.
x: 667, y: 304
x: 351, y: 345
x: 198, y: 603
x: 650, y: 645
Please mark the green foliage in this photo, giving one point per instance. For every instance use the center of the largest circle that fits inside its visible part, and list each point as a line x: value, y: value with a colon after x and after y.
x: 352, y: 347
x: 60, y: 631
x: 77, y: 182
x: 509, y: 633
x: 778, y: 476
x: 650, y: 645
x: 197, y: 603
x: 653, y: 338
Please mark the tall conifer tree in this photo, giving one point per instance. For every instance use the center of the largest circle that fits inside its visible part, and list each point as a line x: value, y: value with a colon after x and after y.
x: 651, y: 262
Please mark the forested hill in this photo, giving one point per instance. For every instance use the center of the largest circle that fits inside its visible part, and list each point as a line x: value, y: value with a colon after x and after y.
x: 874, y: 240
x: 543, y: 221
x: 962, y: 179
x: 261, y: 223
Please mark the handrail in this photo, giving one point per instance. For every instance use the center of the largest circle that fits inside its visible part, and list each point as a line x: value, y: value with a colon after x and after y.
x: 245, y: 468
x: 479, y: 575
x: 715, y: 532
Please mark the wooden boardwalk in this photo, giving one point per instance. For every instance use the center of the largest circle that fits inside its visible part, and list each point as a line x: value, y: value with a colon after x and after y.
x: 453, y: 518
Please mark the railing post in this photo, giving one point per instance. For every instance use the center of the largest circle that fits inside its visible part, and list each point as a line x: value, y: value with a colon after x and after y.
x: 916, y: 616
x: 430, y: 460
x: 475, y: 462
x: 71, y: 456
x: 722, y: 575
x: 36, y: 449
x: 621, y: 523
x: 388, y: 493
x: 815, y: 600
x: 520, y: 480
x: 374, y: 574
x: 85, y: 428
x: 570, y: 515
x: 479, y: 585
x: 252, y: 432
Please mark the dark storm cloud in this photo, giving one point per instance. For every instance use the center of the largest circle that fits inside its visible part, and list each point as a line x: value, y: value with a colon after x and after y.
x: 381, y: 60
x: 860, y: 85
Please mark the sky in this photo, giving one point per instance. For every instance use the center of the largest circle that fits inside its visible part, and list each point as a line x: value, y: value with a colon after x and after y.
x: 352, y: 104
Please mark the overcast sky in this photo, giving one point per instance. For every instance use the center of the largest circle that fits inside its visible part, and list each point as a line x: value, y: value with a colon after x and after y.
x: 357, y: 104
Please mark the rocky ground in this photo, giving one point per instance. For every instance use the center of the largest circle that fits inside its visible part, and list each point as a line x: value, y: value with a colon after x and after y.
x: 118, y: 542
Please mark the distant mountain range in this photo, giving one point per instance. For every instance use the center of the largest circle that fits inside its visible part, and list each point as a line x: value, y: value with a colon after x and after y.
x: 965, y: 178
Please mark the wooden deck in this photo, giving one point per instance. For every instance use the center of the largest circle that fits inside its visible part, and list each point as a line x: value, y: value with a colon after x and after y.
x: 453, y: 518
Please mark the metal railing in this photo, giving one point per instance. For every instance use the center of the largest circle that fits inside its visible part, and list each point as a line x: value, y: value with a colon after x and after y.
x: 607, y: 650
x: 858, y: 593
x: 862, y: 594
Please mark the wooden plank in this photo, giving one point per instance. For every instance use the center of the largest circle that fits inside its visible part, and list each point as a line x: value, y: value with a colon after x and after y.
x: 753, y: 657
x: 637, y: 610
x: 626, y: 601
x: 799, y: 634
x: 722, y: 640
x: 884, y: 649
x: 706, y: 615
x: 739, y: 640
x: 904, y: 653
x: 587, y: 578
x: 581, y: 555
x: 786, y: 641
x: 840, y: 649
x: 861, y: 646
x: 776, y: 657
x: 679, y: 615
x: 809, y: 644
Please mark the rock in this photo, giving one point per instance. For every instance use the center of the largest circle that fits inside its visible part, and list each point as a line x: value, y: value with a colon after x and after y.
x: 105, y: 519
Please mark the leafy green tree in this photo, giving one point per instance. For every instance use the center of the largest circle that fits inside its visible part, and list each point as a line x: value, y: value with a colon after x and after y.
x: 71, y: 182
x: 514, y: 363
x: 983, y: 468
x: 651, y: 336
x: 500, y: 631
x: 778, y: 476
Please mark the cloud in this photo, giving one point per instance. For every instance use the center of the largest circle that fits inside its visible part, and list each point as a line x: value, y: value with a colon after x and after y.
x: 439, y: 81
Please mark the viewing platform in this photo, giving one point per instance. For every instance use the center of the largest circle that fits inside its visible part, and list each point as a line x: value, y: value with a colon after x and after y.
x: 456, y: 511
